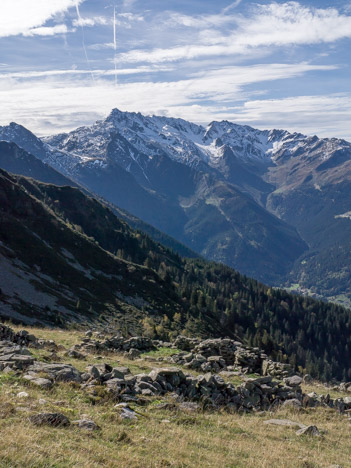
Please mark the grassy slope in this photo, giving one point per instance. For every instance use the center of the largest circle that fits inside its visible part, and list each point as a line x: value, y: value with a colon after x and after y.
x: 160, y: 438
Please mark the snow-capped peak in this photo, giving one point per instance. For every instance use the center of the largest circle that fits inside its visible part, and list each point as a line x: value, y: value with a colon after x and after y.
x: 138, y: 138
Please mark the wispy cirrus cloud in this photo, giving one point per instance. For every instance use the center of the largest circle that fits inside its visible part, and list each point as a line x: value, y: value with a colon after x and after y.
x: 183, y: 59
x: 28, y: 75
x: 198, y: 22
x: 272, y: 25
x: 91, y: 21
x: 61, y: 96
x: 22, y: 16
x: 326, y: 115
x: 47, y: 30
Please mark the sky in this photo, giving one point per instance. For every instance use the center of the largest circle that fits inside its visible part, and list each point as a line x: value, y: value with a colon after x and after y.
x: 268, y: 64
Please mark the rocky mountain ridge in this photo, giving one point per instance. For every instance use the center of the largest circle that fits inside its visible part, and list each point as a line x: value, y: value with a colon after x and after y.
x: 270, y: 203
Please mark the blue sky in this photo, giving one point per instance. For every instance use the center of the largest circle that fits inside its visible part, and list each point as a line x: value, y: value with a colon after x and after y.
x: 268, y: 64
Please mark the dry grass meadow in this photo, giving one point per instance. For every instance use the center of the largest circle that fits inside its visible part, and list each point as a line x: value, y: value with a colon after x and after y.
x: 160, y: 437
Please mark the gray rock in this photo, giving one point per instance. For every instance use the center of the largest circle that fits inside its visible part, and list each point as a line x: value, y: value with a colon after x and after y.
x: 292, y: 403
x: 68, y: 375
x: 42, y: 383
x: 293, y: 381
x: 284, y: 422
x: 122, y: 370
x: 73, y: 353
x: 87, y: 424
x: 17, y: 361
x: 50, y: 419
x: 184, y: 343
x: 171, y: 375
x: 134, y: 353
x: 93, y: 371
x: 128, y: 413
x: 309, y: 430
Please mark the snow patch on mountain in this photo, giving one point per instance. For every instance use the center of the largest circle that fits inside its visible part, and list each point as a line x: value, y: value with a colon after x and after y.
x: 346, y: 215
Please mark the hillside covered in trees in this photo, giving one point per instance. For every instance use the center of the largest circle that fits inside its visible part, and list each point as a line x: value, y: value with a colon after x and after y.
x: 100, y: 269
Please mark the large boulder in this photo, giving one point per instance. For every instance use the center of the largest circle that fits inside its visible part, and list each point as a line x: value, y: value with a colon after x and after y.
x: 172, y: 376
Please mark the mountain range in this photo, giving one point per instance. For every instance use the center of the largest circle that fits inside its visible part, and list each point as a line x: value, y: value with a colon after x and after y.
x: 272, y: 204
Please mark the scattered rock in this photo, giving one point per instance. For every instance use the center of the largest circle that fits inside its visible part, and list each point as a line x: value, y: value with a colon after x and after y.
x: 293, y: 403
x: 73, y: 353
x: 126, y: 412
x: 133, y: 353
x: 50, y: 419
x: 293, y: 381
x: 189, y: 406
x: 284, y: 422
x: 217, y: 358
x: 87, y: 424
x: 42, y: 383
x: 309, y: 430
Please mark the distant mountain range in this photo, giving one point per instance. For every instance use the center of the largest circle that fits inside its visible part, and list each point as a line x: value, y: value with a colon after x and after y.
x: 274, y: 205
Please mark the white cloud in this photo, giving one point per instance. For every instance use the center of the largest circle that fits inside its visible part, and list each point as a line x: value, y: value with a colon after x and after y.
x: 128, y: 3
x: 130, y: 16
x: 21, y: 16
x: 47, y: 31
x: 186, y: 52
x: 292, y: 23
x: 50, y: 104
x: 198, y: 22
x: 93, y: 21
x: 272, y: 25
x: 326, y: 115
x: 106, y: 45
x: 26, y: 75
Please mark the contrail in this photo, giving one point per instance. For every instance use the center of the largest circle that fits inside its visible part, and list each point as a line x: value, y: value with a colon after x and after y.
x: 114, y: 42
x: 80, y: 20
x: 232, y: 5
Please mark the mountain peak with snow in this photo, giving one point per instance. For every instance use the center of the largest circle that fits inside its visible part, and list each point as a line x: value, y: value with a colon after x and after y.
x: 139, y: 138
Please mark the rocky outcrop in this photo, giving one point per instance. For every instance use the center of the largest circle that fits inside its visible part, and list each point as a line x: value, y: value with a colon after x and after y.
x: 223, y: 354
x: 207, y: 389
x: 115, y: 343
x: 14, y: 356
x: 276, y: 369
x: 258, y: 394
x: 185, y: 343
x: 22, y: 337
